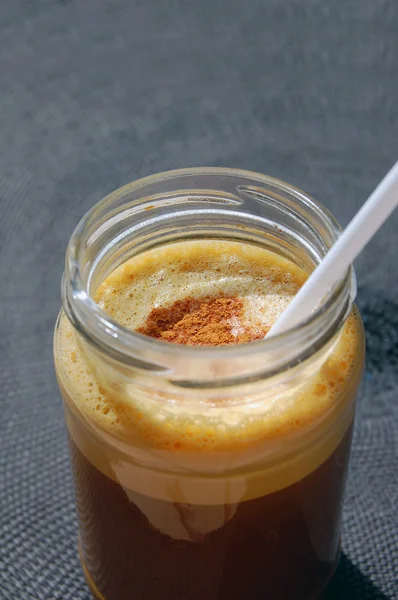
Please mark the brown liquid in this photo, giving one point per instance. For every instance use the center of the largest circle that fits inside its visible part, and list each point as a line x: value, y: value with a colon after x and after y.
x: 222, y: 520
x: 283, y: 546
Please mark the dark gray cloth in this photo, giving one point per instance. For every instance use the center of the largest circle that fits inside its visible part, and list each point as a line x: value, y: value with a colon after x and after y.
x: 95, y: 93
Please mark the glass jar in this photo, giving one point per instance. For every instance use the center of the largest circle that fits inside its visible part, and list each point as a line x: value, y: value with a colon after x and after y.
x: 248, y: 517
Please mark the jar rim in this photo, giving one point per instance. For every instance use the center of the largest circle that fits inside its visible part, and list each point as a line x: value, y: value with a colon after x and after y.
x: 150, y: 354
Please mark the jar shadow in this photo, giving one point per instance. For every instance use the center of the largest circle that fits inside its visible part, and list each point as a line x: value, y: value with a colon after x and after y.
x: 349, y: 583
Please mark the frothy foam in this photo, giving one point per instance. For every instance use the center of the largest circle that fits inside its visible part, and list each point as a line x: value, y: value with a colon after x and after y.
x: 266, y: 283
x: 159, y: 278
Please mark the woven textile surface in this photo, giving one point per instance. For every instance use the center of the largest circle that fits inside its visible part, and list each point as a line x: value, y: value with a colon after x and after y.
x: 96, y: 93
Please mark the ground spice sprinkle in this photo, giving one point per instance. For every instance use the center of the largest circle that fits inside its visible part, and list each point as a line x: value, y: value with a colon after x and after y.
x: 208, y: 321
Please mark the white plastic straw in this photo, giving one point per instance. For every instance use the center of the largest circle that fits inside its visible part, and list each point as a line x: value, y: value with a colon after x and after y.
x: 354, y: 238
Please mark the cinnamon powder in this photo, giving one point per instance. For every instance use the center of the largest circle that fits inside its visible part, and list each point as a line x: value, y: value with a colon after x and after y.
x: 209, y: 321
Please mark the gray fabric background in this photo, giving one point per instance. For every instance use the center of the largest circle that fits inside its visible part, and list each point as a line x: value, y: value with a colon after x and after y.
x: 95, y: 93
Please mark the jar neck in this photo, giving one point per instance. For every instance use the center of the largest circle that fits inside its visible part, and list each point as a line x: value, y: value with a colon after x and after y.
x: 206, y: 203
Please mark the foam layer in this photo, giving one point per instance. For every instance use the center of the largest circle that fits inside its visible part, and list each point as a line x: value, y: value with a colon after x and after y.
x: 159, y: 278
x: 266, y: 283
